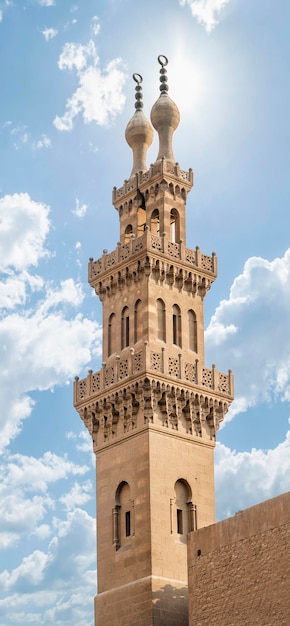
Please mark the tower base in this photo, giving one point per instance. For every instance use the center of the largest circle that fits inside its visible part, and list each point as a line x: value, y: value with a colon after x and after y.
x: 150, y: 601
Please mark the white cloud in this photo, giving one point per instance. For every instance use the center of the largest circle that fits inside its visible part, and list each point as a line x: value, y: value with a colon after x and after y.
x: 95, y: 25
x: 77, y: 56
x: 80, y: 209
x: 38, y: 351
x: 249, y: 333
x: 33, y: 474
x: 46, y: 3
x: 24, y: 227
x: 1, y: 15
x: 19, y: 134
x: 13, y: 291
x: 245, y: 478
x: 61, y: 565
x: 24, y: 497
x: 78, y: 495
x: 99, y: 96
x: 43, y: 142
x: 205, y: 11
x: 44, y: 341
x: 49, y: 33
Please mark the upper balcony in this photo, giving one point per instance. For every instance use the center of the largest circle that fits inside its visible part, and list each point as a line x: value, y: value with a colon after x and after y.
x: 162, y: 168
x: 119, y: 369
x: 192, y: 259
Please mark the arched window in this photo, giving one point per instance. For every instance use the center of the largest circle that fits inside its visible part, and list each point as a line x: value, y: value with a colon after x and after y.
x: 155, y: 223
x: 112, y: 334
x: 125, y: 328
x: 176, y: 325
x: 185, y: 511
x: 138, y: 326
x: 192, y: 331
x: 128, y: 233
x: 122, y: 516
x: 174, y: 226
x: 141, y: 220
x: 161, y: 326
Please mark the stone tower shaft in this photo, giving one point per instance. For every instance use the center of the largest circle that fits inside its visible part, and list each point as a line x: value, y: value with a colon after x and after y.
x: 154, y: 408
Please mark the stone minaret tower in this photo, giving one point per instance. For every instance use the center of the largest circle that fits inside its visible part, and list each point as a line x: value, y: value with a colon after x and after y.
x: 154, y: 408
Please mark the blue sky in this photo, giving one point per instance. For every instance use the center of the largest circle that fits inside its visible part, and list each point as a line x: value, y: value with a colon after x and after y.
x: 66, y: 97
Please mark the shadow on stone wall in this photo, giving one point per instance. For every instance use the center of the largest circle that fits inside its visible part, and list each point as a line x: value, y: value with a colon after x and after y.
x: 170, y: 606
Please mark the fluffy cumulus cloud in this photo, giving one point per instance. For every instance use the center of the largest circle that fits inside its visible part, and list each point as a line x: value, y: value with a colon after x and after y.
x: 250, y: 333
x: 245, y: 478
x: 44, y: 340
x: 38, y: 590
x: 24, y: 227
x: 25, y: 497
x: 99, y: 96
x: 206, y: 12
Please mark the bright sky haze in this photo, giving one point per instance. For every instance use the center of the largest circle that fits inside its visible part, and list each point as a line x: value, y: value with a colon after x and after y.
x: 67, y: 94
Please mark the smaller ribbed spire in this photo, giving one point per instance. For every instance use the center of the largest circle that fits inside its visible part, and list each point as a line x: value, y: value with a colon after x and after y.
x: 139, y: 132
x: 165, y: 115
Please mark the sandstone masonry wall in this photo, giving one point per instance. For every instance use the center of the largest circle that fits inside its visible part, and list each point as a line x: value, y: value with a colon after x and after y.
x: 239, y: 568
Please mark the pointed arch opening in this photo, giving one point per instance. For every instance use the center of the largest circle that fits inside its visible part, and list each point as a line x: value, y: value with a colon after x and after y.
x: 138, y: 326
x: 125, y: 328
x: 185, y: 511
x: 174, y: 226
x: 128, y: 232
x: 176, y: 325
x: 123, y: 521
x: 161, y: 320
x: 112, y: 334
x: 155, y: 223
x: 192, y: 330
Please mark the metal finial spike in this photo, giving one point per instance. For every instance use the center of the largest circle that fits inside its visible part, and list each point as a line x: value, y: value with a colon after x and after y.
x: 163, y: 61
x: 138, y: 91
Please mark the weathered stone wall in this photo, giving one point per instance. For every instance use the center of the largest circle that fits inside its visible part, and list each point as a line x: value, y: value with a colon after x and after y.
x: 239, y: 568
x: 146, y: 602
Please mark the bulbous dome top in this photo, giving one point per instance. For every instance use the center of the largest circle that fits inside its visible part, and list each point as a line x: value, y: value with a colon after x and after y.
x: 139, y: 132
x: 165, y: 115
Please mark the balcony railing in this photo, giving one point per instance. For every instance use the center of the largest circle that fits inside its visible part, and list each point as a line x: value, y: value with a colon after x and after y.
x: 119, y: 368
x: 153, y: 243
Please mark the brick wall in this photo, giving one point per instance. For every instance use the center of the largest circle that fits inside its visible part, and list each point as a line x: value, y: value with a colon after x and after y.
x: 239, y: 568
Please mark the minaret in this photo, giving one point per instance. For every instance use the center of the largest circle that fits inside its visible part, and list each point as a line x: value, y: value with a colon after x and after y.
x: 154, y: 408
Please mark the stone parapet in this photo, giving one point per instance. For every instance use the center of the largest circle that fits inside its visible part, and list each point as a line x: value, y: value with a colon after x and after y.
x: 140, y: 180
x: 119, y: 369
x: 143, y: 402
x: 191, y: 260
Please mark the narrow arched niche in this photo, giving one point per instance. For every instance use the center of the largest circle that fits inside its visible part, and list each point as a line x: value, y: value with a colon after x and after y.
x: 185, y: 512
x: 122, y: 516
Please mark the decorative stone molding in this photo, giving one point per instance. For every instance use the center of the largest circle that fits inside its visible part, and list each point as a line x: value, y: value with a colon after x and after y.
x: 144, y: 180
x: 152, y: 402
x: 116, y: 370
x: 207, y: 265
